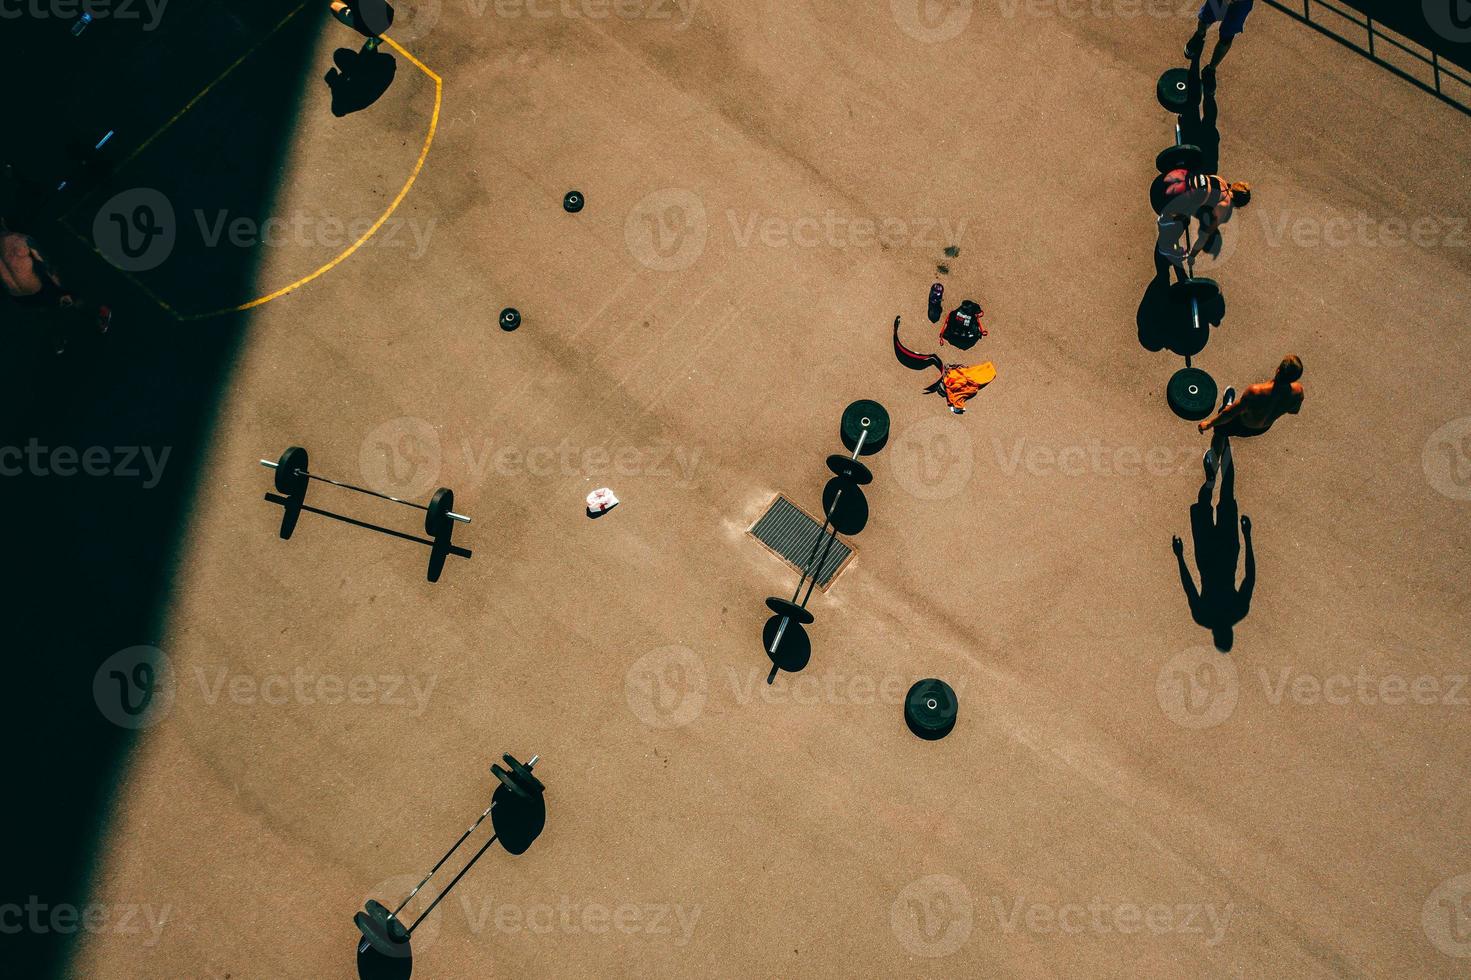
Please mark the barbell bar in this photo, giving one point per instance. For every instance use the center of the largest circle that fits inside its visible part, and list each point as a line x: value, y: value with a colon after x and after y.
x: 291, y: 469
x: 391, y: 935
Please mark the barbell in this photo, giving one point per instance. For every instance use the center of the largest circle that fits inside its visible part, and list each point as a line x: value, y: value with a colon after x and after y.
x: 292, y: 477
x: 382, y: 930
x: 1191, y: 392
x: 862, y: 420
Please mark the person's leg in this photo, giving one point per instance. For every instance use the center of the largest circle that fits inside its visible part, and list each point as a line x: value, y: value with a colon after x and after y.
x: 1210, y: 12
x: 1231, y: 27
x: 1220, y: 448
x: 1223, y: 48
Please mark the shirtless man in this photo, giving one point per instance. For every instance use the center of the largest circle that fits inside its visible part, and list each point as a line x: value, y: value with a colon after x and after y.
x: 29, y: 283
x: 1260, y: 405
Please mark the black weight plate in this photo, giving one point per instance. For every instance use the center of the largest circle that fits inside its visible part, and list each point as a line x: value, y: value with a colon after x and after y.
x: 930, y: 708
x: 510, y: 318
x: 519, y: 771
x: 854, y: 418
x: 573, y: 201
x: 288, y: 480
x: 1157, y: 197
x: 1191, y: 393
x: 782, y: 607
x: 380, y: 933
x: 511, y: 784
x: 848, y: 514
x: 850, y: 469
x: 1173, y: 90
x: 795, y: 649
x: 372, y: 18
x: 1186, y: 155
x: 378, y: 912
x: 1198, y: 288
x: 435, y: 521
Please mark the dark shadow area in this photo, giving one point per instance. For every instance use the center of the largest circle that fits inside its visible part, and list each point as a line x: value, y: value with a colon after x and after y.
x: 793, y: 653
x: 1165, y: 323
x: 373, y: 965
x: 359, y: 79
x: 100, y: 547
x: 518, y: 820
x: 1441, y: 26
x: 1198, y: 123
x: 440, y: 547
x: 1218, y: 605
x: 851, y: 515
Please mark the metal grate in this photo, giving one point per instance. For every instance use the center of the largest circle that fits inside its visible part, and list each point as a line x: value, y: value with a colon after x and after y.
x: 789, y: 532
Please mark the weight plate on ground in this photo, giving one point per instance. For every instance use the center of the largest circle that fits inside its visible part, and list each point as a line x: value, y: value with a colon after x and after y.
x: 378, y: 912
x: 850, y: 469
x: 1198, y: 288
x: 930, y: 708
x: 510, y: 318
x: 1157, y: 196
x: 795, y: 649
x: 1173, y: 90
x: 572, y: 202
x: 1187, y: 155
x: 382, y: 931
x: 848, y: 514
x: 865, y: 414
x: 783, y: 607
x: 511, y: 784
x: 288, y: 480
x: 435, y: 520
x: 519, y: 771
x: 1191, y: 393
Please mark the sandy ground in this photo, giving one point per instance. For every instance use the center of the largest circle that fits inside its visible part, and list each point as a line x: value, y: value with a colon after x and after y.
x: 1117, y: 798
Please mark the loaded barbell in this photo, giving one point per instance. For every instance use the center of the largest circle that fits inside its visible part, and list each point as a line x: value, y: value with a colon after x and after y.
x: 382, y: 930
x: 292, y: 477
x: 1191, y: 392
x: 863, y: 422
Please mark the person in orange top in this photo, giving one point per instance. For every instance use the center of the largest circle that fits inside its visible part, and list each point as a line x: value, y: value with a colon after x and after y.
x: 1260, y: 405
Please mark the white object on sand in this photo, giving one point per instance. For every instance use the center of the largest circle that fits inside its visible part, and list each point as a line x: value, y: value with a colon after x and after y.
x: 601, y: 500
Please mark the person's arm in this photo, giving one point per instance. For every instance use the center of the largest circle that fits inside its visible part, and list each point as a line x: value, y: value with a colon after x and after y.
x: 1224, y: 415
x: 1186, y: 581
x: 1249, y: 581
x: 1210, y: 226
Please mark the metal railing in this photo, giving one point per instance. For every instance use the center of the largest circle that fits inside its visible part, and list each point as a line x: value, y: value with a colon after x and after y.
x: 1376, y: 36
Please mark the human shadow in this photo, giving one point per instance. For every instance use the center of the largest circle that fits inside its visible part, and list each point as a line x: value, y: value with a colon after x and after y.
x: 1218, y: 605
x: 1198, y: 123
x: 359, y: 79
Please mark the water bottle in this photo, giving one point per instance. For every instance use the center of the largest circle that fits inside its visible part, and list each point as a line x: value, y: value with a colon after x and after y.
x: 81, y: 25
x: 937, y: 301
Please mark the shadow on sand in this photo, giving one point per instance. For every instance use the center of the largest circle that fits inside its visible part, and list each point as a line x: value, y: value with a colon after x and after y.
x: 1218, y: 605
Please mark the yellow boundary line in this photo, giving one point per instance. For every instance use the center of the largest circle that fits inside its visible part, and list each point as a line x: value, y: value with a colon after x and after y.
x: 343, y: 256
